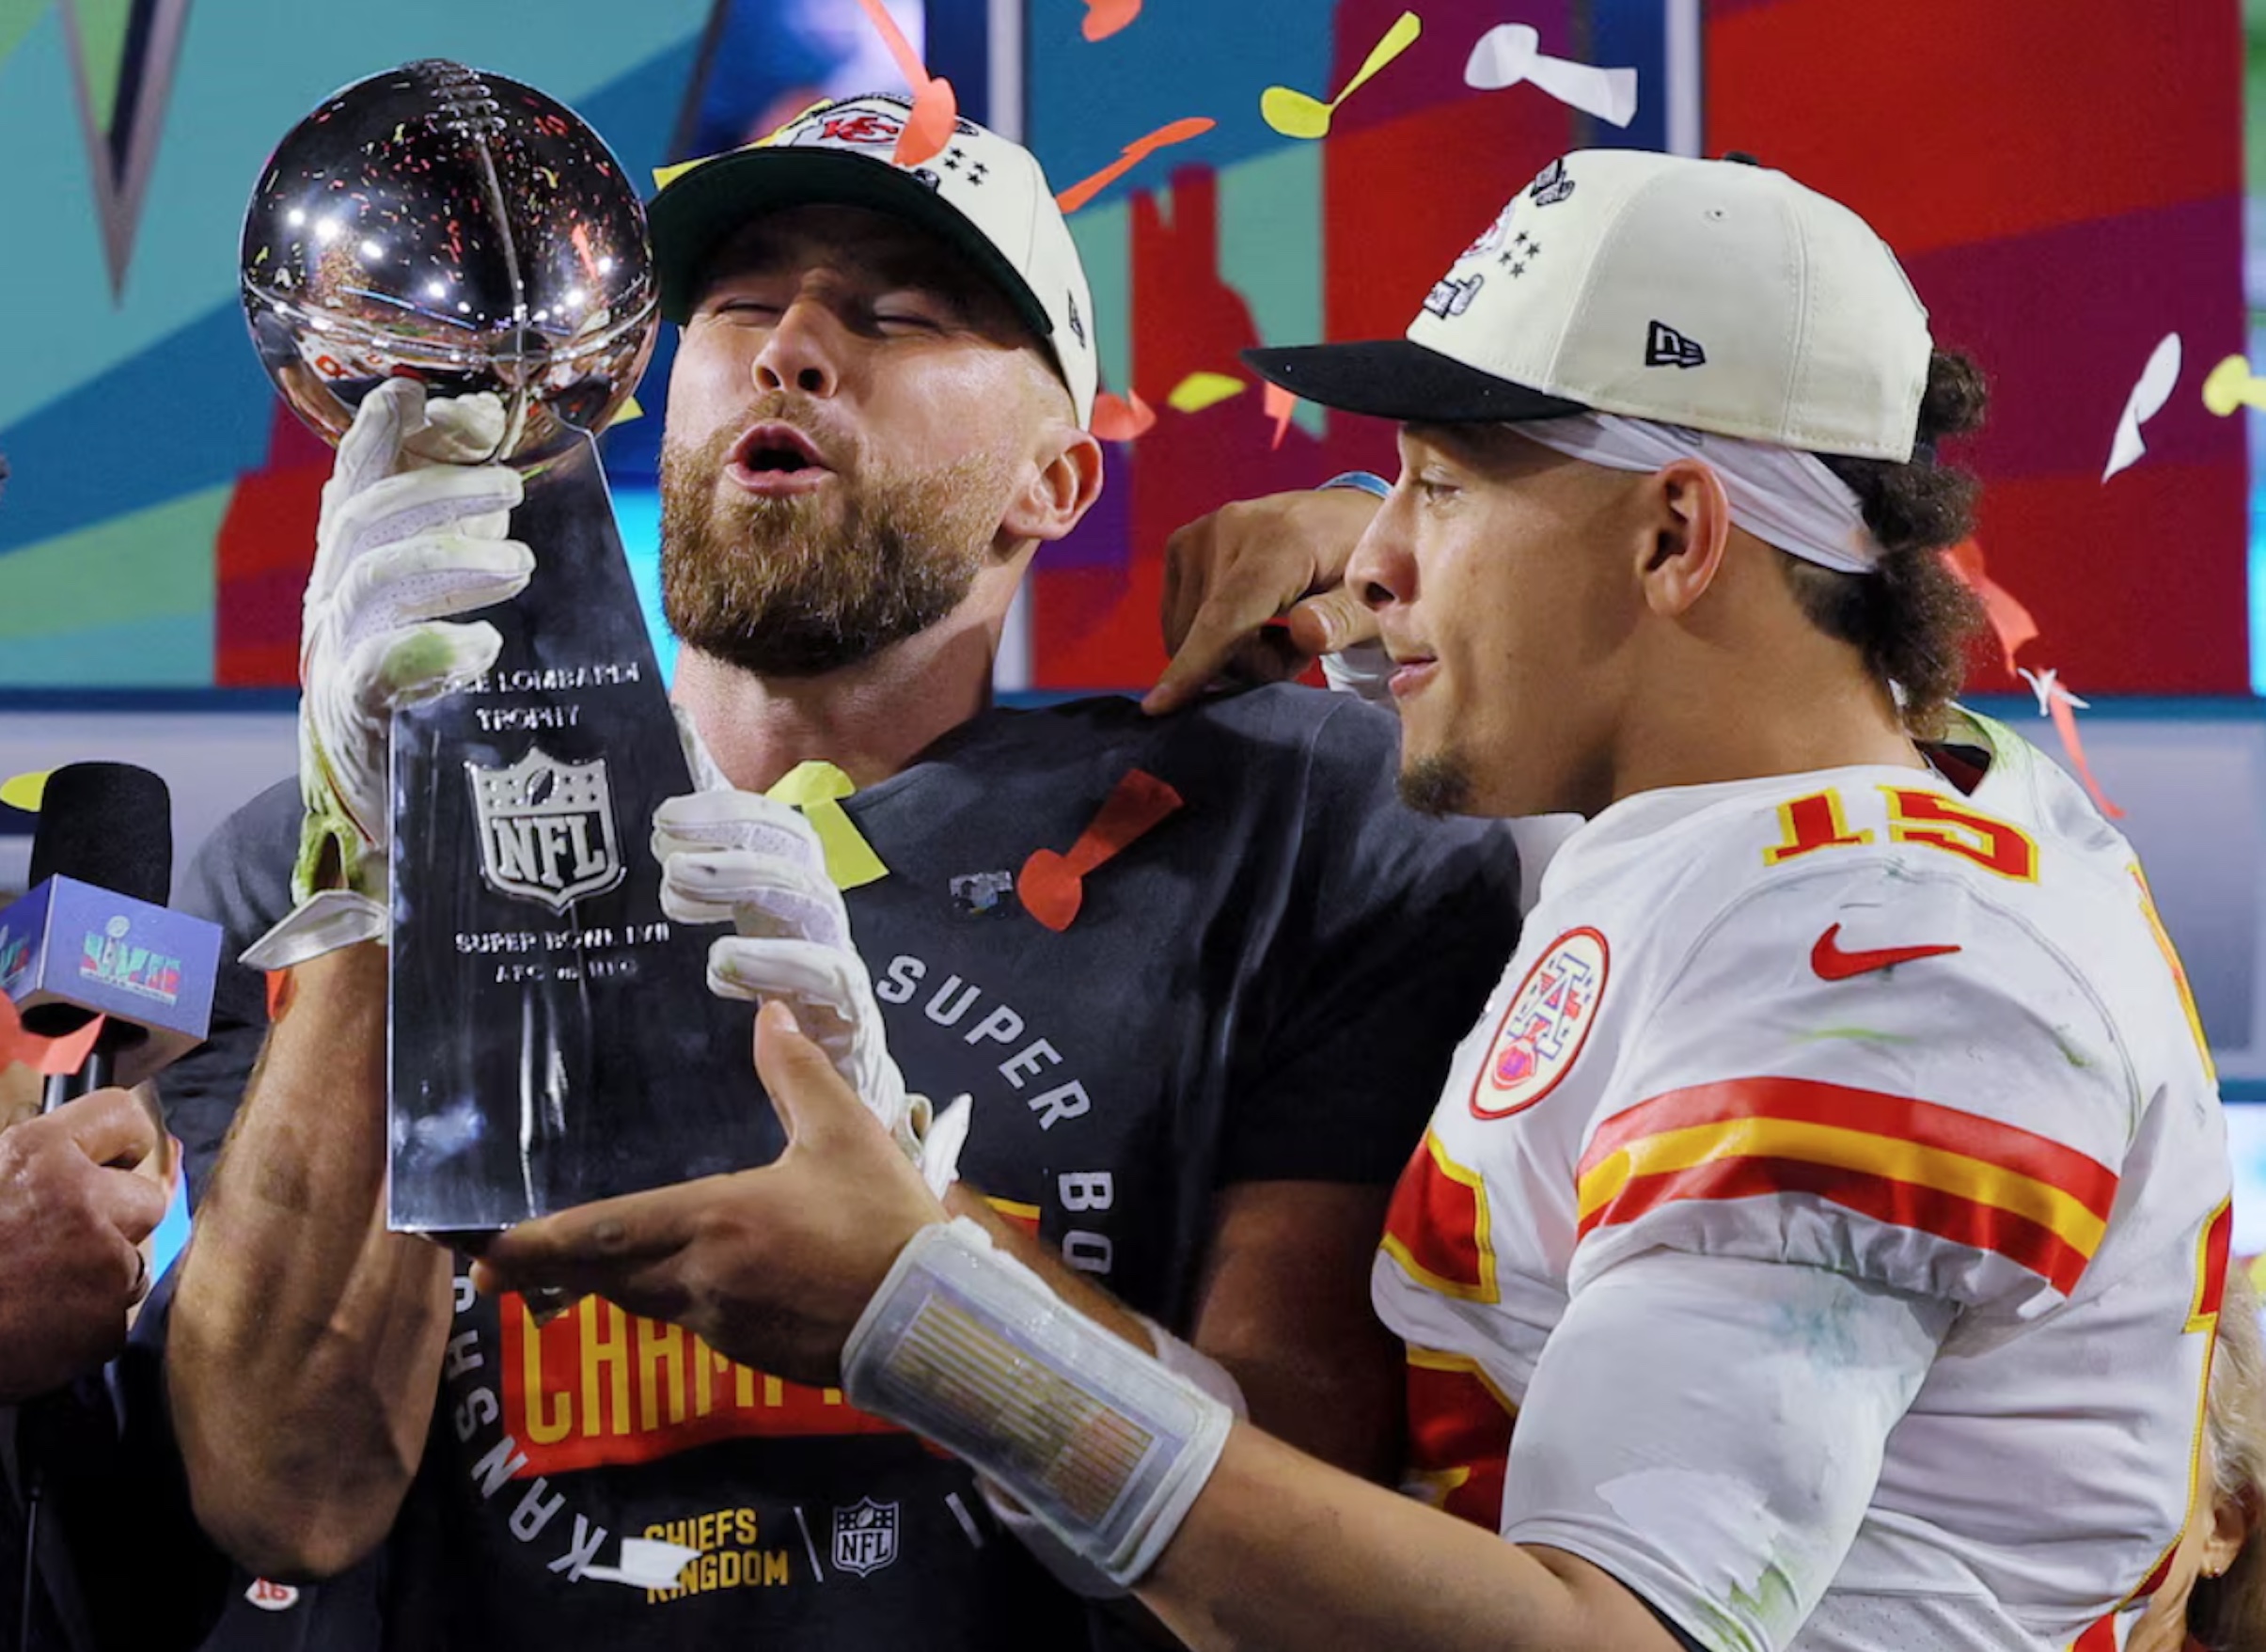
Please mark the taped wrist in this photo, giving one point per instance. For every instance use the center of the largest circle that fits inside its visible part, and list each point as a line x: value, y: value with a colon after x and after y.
x: 964, y: 1345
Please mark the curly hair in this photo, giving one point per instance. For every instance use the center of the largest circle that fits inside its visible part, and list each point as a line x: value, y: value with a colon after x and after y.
x: 1911, y: 618
x: 2228, y: 1613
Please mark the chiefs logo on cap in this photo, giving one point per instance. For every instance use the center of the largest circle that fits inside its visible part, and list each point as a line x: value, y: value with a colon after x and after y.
x: 860, y: 129
x: 1545, y: 1027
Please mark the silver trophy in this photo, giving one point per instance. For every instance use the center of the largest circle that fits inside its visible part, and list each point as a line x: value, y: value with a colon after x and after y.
x: 466, y: 230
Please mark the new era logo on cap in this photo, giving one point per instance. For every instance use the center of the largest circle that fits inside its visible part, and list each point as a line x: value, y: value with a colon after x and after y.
x: 1666, y: 347
x: 983, y: 195
x: 1811, y: 335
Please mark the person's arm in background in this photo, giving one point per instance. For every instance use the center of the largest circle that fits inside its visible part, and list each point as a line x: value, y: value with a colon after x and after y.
x: 1229, y: 573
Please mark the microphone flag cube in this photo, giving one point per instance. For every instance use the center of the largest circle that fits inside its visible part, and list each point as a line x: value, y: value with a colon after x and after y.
x: 70, y: 948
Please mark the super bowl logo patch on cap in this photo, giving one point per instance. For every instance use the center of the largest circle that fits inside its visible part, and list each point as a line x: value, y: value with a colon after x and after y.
x: 1544, y: 1028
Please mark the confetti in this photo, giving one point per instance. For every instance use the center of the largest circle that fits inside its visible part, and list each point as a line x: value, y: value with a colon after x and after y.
x: 24, y: 790
x: 2056, y: 702
x: 1122, y: 418
x: 2010, y: 622
x: 2154, y: 390
x: 1278, y: 406
x: 1199, y: 391
x: 1511, y: 53
x: 67, y: 1054
x: 647, y: 1563
x: 2229, y: 386
x: 1104, y: 18
x: 1133, y: 154
x: 1294, y: 114
x: 936, y: 110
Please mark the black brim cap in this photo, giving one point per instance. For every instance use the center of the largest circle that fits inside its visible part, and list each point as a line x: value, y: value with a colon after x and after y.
x: 1392, y: 378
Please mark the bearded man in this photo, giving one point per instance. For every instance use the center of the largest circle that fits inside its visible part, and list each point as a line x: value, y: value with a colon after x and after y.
x: 1200, y: 975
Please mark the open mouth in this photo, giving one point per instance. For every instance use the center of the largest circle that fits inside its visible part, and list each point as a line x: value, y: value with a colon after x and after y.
x: 776, y: 458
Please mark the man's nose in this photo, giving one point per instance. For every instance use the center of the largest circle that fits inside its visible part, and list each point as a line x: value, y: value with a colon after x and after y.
x: 1382, y: 570
x: 803, y: 352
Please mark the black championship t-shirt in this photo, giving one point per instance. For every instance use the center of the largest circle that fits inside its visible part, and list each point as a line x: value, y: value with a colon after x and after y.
x: 1265, y: 982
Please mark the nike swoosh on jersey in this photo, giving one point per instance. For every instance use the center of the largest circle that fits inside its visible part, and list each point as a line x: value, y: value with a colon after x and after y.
x: 1833, y: 964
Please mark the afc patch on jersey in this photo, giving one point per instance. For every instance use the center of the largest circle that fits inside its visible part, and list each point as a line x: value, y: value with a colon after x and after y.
x: 1544, y: 1028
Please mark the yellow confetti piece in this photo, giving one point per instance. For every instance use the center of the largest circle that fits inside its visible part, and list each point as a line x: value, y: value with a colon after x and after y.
x: 627, y: 411
x: 817, y: 789
x: 1295, y: 114
x: 1199, y: 391
x: 24, y: 790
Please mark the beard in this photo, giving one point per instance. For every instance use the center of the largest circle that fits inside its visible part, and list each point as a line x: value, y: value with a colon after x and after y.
x: 1436, y: 785
x: 803, y: 585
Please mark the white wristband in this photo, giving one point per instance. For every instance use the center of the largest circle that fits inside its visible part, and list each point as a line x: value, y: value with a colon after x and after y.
x: 1070, y: 1570
x: 966, y: 1345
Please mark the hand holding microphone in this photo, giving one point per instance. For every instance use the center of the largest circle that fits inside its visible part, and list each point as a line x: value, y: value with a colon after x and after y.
x: 75, y: 1210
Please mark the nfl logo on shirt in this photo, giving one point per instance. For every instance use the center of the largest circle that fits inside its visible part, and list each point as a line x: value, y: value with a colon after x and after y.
x: 865, y: 1537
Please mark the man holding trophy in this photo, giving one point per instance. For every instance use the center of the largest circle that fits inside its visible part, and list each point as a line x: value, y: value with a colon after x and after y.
x: 1199, y: 975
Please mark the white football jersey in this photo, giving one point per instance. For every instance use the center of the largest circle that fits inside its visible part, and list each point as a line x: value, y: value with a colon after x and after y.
x: 1934, y: 1049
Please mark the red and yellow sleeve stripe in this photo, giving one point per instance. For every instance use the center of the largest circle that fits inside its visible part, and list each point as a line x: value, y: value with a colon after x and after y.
x: 1913, y: 1164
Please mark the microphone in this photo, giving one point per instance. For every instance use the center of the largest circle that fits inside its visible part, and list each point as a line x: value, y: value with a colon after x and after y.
x: 93, y: 936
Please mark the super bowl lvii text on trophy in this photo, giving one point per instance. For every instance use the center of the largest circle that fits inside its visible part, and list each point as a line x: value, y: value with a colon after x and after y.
x: 551, y: 1039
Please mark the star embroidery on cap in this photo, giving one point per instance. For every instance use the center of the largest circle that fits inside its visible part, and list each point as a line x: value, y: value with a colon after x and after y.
x: 952, y: 157
x: 975, y: 172
x: 1522, y: 251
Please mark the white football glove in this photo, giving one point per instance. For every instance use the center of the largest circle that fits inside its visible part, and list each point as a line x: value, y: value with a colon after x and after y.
x: 738, y: 857
x: 412, y: 533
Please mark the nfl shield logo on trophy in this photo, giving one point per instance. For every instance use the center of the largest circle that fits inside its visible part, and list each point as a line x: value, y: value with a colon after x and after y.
x: 546, y: 828
x: 865, y: 1537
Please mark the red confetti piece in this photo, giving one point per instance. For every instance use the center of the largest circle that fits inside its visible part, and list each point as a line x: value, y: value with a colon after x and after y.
x: 2010, y: 620
x: 1053, y: 885
x: 1123, y: 418
x: 935, y: 117
x: 1140, y: 149
x: 1104, y: 18
x: 1278, y: 406
x: 68, y: 1055
x: 15, y: 1043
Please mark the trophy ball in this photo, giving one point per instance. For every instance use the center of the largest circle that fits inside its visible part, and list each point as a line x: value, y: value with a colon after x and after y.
x: 448, y: 224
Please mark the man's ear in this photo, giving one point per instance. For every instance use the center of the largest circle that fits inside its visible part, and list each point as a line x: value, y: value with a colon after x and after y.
x: 2233, y: 1520
x: 1060, y: 489
x: 1688, y: 526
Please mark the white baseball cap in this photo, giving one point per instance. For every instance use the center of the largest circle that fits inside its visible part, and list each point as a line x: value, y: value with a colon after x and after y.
x: 983, y: 195
x: 1714, y: 294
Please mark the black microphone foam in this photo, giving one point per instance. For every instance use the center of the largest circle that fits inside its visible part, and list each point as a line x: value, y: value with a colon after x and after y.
x: 109, y: 824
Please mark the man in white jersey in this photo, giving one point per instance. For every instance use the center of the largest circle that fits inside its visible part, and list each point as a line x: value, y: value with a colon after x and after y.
x: 1819, y: 1241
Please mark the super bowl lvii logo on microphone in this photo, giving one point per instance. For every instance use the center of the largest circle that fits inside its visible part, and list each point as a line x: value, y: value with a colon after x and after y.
x: 114, y: 959
x: 546, y: 828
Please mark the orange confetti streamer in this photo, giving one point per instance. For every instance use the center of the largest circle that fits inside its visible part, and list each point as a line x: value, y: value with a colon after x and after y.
x: 15, y: 1043
x: 1140, y: 149
x: 69, y: 1054
x: 1104, y: 18
x: 936, y: 107
x: 1278, y: 406
x: 908, y: 61
x: 935, y: 117
x: 1122, y: 418
x: 2010, y: 622
x: 2061, y: 705
x: 2065, y: 724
